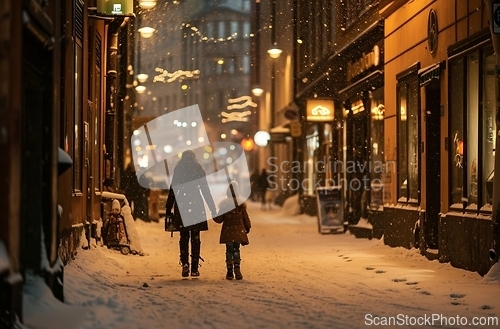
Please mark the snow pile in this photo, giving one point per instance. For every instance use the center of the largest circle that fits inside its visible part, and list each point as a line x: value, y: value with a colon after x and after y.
x: 291, y: 206
x: 493, y: 276
x: 43, y: 311
x: 133, y: 236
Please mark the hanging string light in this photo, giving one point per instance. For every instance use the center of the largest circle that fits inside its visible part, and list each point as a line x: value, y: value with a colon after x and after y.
x: 165, y: 76
x: 238, y: 104
x: 247, y: 101
x: 235, y: 116
x: 204, y: 38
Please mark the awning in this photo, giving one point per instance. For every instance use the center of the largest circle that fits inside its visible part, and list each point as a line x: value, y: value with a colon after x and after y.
x: 372, y: 80
x: 427, y: 74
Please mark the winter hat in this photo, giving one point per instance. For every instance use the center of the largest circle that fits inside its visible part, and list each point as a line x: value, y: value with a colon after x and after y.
x: 115, y: 205
x: 188, y: 155
x: 235, y: 189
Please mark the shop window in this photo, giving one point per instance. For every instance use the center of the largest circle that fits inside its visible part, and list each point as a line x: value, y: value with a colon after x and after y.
x: 330, y: 177
x: 472, y: 144
x: 472, y: 125
x: 310, y: 159
x: 408, y: 151
x: 457, y: 130
x: 377, y: 168
x: 488, y: 123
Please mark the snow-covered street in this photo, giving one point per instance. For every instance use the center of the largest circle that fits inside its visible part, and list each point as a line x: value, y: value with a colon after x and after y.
x: 293, y: 278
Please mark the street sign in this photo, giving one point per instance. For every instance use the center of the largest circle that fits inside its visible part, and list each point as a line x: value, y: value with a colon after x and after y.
x: 496, y: 17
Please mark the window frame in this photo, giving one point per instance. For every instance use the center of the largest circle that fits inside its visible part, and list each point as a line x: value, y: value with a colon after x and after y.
x: 462, y: 60
x: 407, y: 78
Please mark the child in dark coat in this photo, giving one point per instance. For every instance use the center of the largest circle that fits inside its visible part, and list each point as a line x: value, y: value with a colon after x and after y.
x: 235, y: 227
x: 114, y: 233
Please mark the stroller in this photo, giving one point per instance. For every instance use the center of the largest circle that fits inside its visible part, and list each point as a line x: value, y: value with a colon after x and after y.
x: 114, y: 230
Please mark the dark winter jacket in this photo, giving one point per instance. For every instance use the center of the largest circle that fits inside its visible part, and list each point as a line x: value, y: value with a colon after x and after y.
x: 188, y: 181
x: 114, y: 231
x: 235, y: 222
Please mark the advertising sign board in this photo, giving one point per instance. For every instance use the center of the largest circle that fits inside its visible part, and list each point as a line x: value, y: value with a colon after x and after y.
x: 330, y: 209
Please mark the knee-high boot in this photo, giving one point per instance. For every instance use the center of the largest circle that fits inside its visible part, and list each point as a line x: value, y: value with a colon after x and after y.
x: 195, y: 252
x: 237, y: 270
x: 184, y: 253
x: 237, y: 262
x: 229, y: 274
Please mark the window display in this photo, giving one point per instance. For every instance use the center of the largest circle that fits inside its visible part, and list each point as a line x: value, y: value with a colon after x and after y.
x: 472, y: 142
x: 408, y: 151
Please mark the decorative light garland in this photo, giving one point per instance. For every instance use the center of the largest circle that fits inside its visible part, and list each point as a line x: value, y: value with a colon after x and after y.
x: 166, y: 76
x: 238, y: 116
x: 235, y: 116
x: 247, y: 101
x: 196, y: 31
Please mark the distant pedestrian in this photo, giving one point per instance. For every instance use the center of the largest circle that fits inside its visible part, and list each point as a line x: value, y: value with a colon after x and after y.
x: 263, y: 187
x: 136, y: 194
x: 189, y: 183
x: 254, y: 186
x: 235, y: 227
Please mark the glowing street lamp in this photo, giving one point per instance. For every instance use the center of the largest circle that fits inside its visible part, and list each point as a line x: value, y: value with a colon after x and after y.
x: 140, y: 89
x: 142, y: 77
x: 257, y: 91
x: 147, y: 4
x: 146, y: 31
x: 261, y: 138
x: 274, y: 52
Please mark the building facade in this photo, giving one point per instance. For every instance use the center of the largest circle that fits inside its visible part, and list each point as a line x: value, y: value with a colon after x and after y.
x: 412, y: 88
x: 440, y: 127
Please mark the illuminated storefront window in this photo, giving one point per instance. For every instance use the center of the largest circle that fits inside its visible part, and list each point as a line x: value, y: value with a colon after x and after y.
x: 310, y: 159
x: 472, y: 142
x: 408, y: 165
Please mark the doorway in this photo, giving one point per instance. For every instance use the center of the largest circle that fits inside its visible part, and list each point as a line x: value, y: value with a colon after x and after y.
x: 432, y: 162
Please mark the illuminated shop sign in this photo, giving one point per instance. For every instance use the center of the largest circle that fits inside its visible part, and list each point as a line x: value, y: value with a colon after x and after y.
x: 115, y: 7
x: 320, y: 110
x: 364, y: 63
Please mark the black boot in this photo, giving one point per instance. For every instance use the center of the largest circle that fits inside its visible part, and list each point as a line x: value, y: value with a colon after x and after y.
x: 185, y: 270
x: 237, y: 272
x: 194, y: 269
x: 195, y: 250
x: 184, y: 253
x: 229, y: 275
